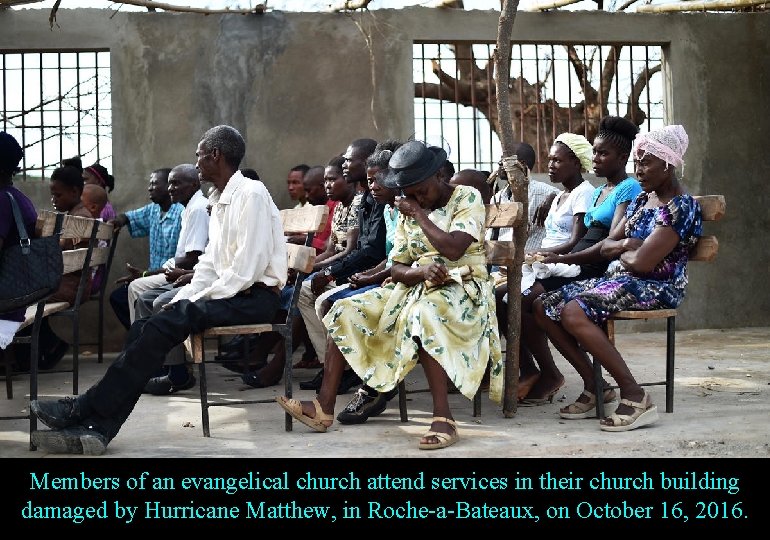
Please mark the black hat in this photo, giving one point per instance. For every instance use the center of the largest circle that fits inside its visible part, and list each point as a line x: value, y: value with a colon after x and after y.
x: 412, y: 163
x: 10, y: 153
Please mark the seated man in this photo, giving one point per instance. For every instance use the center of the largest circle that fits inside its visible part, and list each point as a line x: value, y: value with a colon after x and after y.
x: 183, y: 188
x: 237, y: 281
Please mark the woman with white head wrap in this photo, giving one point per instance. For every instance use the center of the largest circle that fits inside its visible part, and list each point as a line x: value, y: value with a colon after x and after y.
x: 569, y: 156
x: 650, y: 247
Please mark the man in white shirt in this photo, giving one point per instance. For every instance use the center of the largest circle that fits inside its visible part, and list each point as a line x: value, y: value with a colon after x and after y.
x: 184, y: 188
x: 236, y: 281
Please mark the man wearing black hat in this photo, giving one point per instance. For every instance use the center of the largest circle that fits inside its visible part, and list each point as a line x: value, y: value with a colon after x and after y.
x: 369, y: 252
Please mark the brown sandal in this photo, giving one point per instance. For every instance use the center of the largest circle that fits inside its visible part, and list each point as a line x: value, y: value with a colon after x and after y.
x: 580, y: 410
x: 294, y: 408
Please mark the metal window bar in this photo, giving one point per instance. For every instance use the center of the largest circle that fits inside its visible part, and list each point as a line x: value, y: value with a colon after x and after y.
x: 57, y: 103
x: 544, y: 107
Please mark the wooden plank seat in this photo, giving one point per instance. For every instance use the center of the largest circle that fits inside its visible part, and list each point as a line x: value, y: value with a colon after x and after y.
x: 713, y: 209
x: 498, y: 253
x: 307, y: 220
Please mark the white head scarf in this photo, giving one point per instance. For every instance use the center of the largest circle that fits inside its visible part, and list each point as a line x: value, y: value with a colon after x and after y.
x: 580, y: 146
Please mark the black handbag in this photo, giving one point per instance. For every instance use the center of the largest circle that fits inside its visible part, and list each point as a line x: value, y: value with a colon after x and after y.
x: 31, y: 271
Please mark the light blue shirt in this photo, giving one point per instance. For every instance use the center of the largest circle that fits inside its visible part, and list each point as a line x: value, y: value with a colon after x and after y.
x: 162, y: 230
x: 625, y: 191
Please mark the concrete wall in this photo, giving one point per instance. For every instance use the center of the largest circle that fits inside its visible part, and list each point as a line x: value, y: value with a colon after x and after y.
x: 301, y: 86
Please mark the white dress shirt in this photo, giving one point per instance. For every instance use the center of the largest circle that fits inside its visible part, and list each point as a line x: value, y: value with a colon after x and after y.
x: 246, y: 243
x: 194, y: 234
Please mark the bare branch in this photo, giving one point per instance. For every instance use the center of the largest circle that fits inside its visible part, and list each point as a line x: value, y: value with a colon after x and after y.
x: 52, y: 15
x: 608, y: 71
x: 552, y: 4
x: 700, y: 6
x: 260, y: 8
x: 633, y: 112
x: 626, y: 4
x: 589, y: 92
x: 350, y: 5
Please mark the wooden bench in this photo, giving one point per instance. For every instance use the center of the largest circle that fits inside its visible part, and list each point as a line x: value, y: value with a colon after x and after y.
x: 82, y: 259
x: 713, y: 209
x: 307, y: 220
x: 498, y: 253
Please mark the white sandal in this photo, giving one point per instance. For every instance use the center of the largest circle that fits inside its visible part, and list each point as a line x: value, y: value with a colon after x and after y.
x: 444, y: 439
x: 645, y: 413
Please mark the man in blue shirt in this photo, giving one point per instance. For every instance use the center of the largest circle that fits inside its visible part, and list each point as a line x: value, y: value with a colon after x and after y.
x: 161, y: 220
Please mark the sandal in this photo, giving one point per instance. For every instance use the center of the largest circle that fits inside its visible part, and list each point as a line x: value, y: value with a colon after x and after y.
x: 645, y: 413
x: 294, y: 408
x: 444, y: 439
x: 526, y: 384
x: 580, y: 409
x: 311, y: 363
x: 534, y: 402
x: 254, y: 380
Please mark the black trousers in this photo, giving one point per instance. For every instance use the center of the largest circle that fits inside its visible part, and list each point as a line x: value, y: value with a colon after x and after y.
x: 119, y: 303
x: 107, y: 404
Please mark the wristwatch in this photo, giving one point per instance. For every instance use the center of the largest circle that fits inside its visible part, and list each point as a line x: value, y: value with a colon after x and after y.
x: 328, y: 273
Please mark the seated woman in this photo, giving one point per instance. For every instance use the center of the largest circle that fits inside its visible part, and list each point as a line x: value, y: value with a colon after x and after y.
x: 608, y: 203
x: 439, y: 312
x: 569, y: 156
x: 66, y: 186
x: 650, y: 247
x: 10, y: 157
x: 98, y: 174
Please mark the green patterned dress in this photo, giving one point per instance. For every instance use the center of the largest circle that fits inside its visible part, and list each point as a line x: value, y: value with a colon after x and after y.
x: 377, y: 330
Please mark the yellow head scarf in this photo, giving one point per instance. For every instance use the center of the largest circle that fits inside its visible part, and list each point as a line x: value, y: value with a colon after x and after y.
x: 580, y: 146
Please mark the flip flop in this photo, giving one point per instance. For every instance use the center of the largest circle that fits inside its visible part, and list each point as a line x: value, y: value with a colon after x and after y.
x: 294, y: 408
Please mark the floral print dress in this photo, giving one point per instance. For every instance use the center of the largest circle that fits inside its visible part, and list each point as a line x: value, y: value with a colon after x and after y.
x: 378, y: 331
x: 618, y: 289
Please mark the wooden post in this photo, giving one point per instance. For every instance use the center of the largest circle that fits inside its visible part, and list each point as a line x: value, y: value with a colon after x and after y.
x: 519, y: 188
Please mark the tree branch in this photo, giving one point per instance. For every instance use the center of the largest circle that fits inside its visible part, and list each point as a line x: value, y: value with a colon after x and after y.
x: 260, y: 8
x: 608, y: 71
x: 633, y: 111
x: 700, y: 6
x: 519, y: 189
x: 350, y: 5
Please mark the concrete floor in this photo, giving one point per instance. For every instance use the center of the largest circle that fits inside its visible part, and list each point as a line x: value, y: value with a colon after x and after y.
x: 722, y: 406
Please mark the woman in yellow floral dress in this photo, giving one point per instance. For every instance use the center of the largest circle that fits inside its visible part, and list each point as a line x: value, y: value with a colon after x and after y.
x: 439, y: 309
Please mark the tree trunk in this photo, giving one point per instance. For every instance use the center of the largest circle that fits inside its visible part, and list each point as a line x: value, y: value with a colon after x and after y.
x: 519, y: 186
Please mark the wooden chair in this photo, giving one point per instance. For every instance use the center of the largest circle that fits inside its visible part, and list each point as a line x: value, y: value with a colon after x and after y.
x: 306, y: 220
x: 97, y: 255
x: 499, y: 253
x: 97, y: 295
x: 79, y: 259
x: 713, y: 209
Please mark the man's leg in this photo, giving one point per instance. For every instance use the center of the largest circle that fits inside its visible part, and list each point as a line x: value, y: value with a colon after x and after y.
x: 119, y: 303
x: 316, y: 330
x: 178, y: 376
x: 141, y: 285
x: 106, y: 405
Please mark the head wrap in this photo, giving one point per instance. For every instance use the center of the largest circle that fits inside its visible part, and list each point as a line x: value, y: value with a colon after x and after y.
x: 10, y: 153
x: 668, y: 143
x: 580, y: 146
